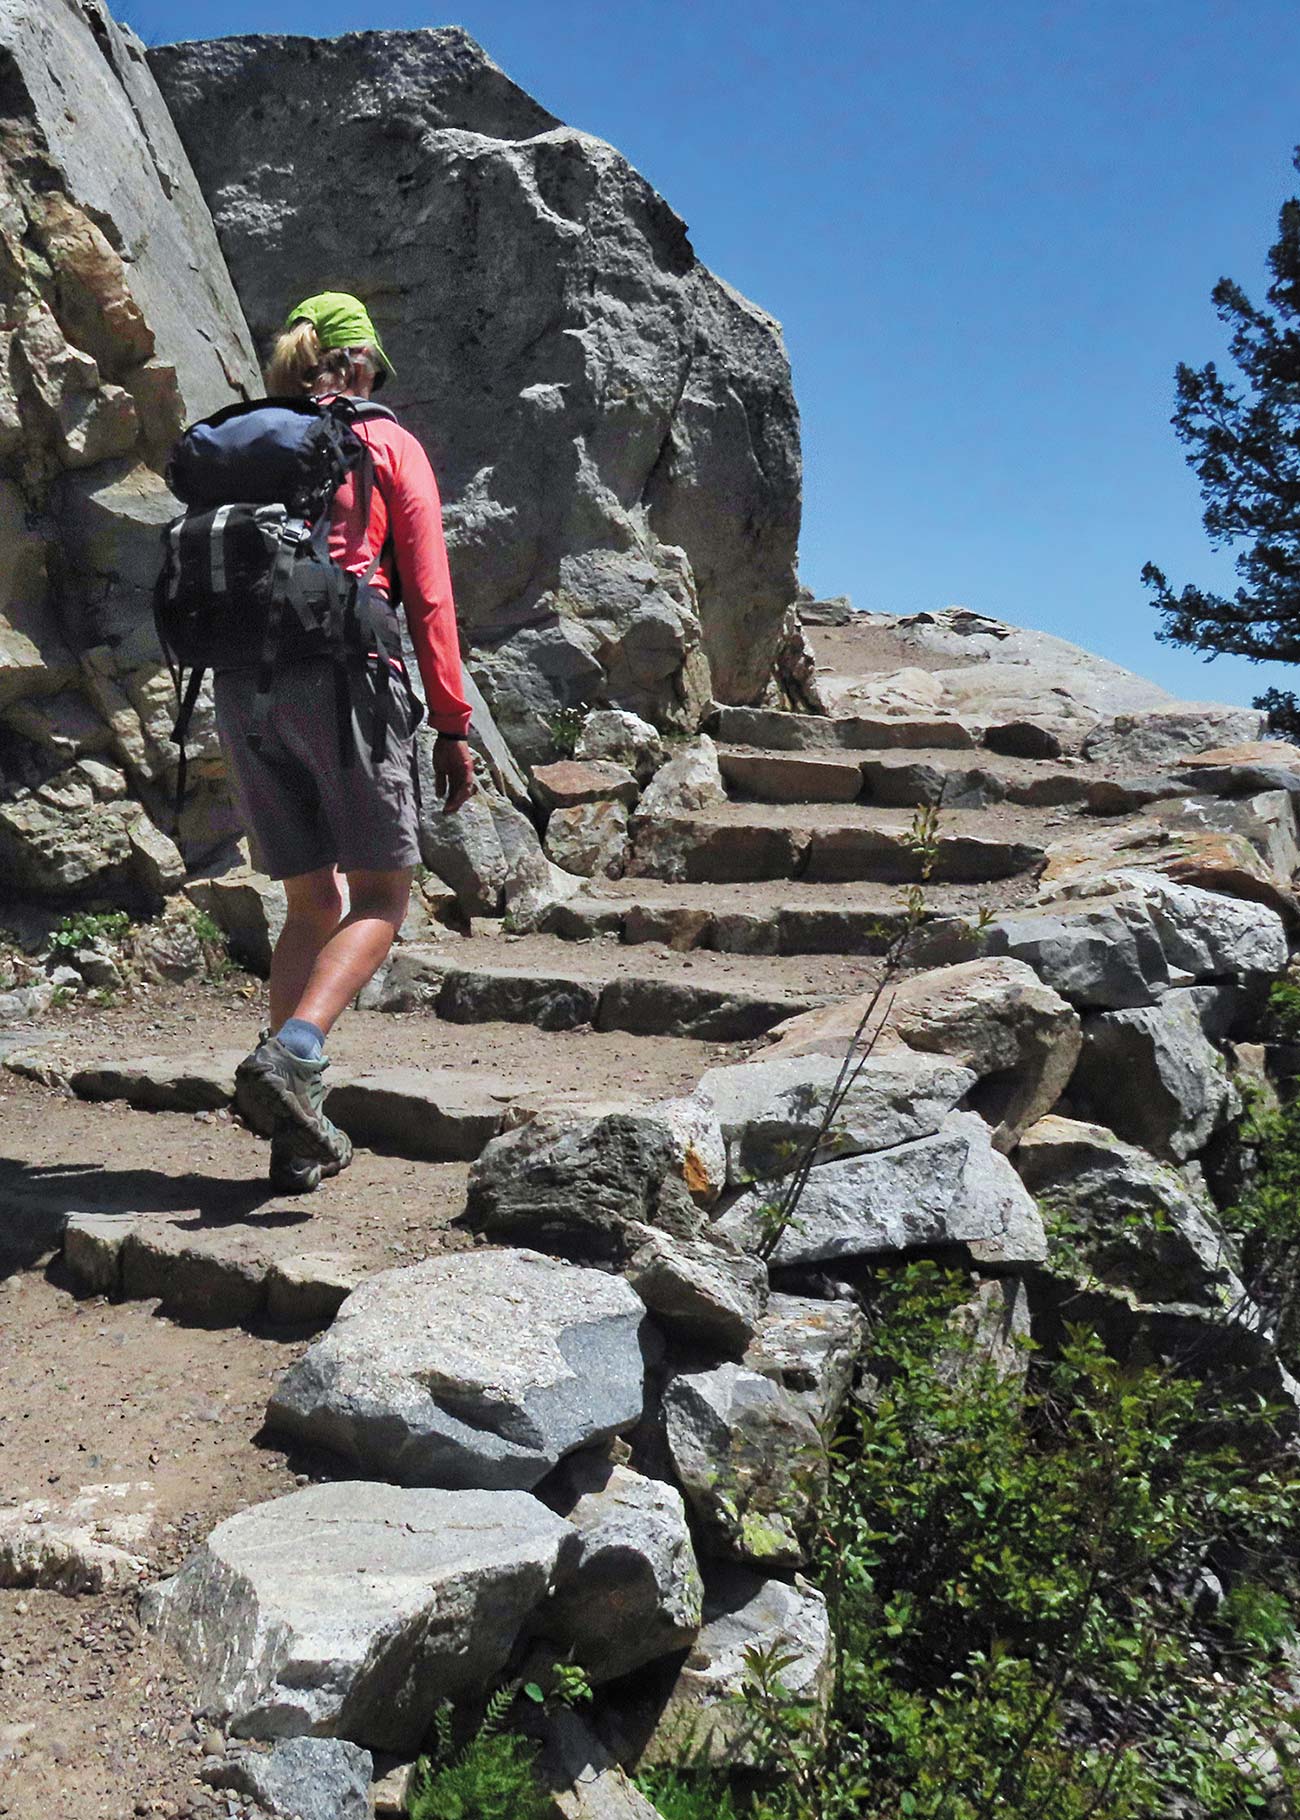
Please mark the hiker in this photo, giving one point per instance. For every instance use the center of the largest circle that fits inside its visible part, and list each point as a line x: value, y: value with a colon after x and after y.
x: 319, y: 743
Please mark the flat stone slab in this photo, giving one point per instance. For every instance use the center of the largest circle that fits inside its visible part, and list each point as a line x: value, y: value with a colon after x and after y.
x: 552, y: 1001
x: 443, y: 1114
x: 783, y: 732
x: 655, y: 1007
x: 217, y: 1275
x: 783, y: 778
x: 572, y: 782
x: 160, y: 1083
x: 480, y: 1369
x: 855, y: 852
x: 352, y: 1609
x: 693, y: 850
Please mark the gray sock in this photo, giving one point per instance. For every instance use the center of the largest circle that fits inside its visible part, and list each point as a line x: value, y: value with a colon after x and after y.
x: 301, y: 1039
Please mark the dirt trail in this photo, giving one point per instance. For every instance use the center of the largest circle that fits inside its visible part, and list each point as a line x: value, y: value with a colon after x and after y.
x: 94, y: 1717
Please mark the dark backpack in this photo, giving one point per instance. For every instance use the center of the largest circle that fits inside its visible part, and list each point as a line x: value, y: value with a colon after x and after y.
x: 247, y: 581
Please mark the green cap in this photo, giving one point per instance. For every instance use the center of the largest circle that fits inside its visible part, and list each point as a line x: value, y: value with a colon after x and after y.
x: 340, y: 321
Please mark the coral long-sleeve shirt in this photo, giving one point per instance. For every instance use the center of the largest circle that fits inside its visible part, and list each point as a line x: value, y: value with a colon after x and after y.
x: 405, y: 508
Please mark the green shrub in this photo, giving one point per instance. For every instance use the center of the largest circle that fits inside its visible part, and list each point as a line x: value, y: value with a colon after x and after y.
x: 1013, y: 1573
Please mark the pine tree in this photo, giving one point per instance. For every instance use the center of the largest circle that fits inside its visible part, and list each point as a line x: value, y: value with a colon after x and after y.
x: 1243, y: 441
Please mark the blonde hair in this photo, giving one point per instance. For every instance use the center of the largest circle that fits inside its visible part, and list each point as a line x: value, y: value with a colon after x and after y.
x: 298, y: 363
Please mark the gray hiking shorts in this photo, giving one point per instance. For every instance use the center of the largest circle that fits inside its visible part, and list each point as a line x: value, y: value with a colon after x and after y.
x: 301, y: 806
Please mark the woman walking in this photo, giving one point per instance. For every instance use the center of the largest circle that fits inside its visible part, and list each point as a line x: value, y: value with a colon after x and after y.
x: 321, y: 807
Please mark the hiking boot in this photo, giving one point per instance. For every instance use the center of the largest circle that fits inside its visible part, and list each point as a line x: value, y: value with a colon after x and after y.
x: 293, y: 1173
x: 278, y: 1091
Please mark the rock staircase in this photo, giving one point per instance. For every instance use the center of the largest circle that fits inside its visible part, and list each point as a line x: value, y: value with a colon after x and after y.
x: 618, y: 1068
x: 732, y: 918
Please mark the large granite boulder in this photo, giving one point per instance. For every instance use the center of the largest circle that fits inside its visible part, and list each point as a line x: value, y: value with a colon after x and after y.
x: 478, y: 1369
x: 351, y: 1610
x: 613, y: 427
x: 950, y: 1189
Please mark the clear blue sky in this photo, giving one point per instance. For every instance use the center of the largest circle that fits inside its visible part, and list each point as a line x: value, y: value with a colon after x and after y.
x: 990, y: 231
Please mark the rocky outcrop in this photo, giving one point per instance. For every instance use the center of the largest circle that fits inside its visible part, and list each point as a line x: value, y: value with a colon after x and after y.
x: 589, y: 392
x: 119, y: 324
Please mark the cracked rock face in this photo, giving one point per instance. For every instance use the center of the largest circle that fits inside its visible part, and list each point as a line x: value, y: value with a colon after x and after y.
x: 635, y: 1593
x: 747, y: 1453
x: 350, y: 1610
x: 588, y: 391
x: 950, y: 1189
x: 481, y: 1369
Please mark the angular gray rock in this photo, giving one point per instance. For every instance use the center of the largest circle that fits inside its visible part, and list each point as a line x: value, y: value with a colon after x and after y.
x: 622, y: 738
x: 1159, y: 735
x: 585, y: 416
x: 489, y: 853
x: 580, y: 1775
x: 707, y: 1288
x: 993, y: 1016
x: 750, y: 1460
x: 1132, y: 1221
x: 350, y: 1610
x: 772, y: 1108
x: 690, y: 782
x: 586, y: 1191
x: 634, y: 1592
x: 1154, y: 1076
x: 705, y: 1718
x: 476, y: 1369
x: 300, y: 1778
x: 1204, y: 934
x: 1103, y: 956
x: 950, y: 1189
x: 589, y: 840
x: 248, y: 908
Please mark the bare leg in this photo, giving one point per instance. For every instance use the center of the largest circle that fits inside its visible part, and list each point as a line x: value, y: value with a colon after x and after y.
x: 315, y: 910
x: 355, y: 949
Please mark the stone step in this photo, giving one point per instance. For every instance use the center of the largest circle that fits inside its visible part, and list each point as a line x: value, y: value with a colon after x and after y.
x: 778, y: 731
x: 427, y: 1114
x: 557, y: 997
x: 910, y: 779
x: 735, y: 845
x: 788, y: 919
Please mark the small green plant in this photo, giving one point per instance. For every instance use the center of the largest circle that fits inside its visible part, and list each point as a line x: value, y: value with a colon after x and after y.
x: 1284, y: 1010
x: 86, y: 927
x: 565, y: 727
x: 488, y: 1777
x: 205, y: 927
x: 677, y: 1796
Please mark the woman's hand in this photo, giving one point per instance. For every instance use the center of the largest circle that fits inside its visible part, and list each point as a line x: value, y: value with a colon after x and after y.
x: 453, y: 771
